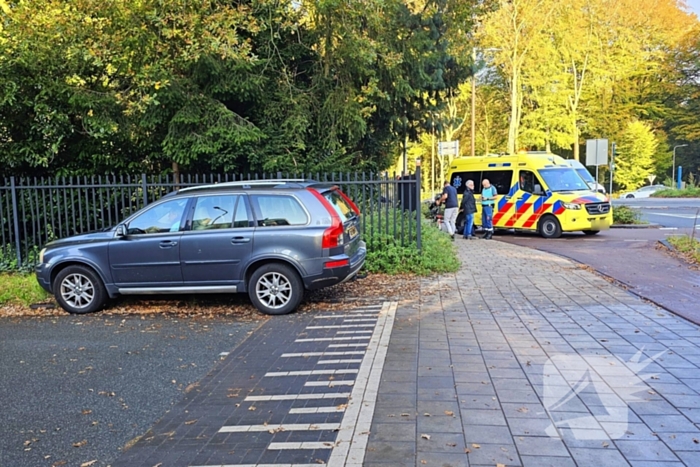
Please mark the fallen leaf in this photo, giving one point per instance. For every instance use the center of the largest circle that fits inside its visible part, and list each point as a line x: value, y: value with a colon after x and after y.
x: 252, y: 407
x: 87, y: 411
x: 426, y: 414
x: 467, y: 451
x: 476, y: 446
x: 449, y: 413
x: 80, y: 444
x: 88, y: 463
x: 605, y: 444
x: 424, y: 436
x: 190, y: 422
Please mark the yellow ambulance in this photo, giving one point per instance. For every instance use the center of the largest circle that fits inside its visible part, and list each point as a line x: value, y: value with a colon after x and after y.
x: 537, y: 191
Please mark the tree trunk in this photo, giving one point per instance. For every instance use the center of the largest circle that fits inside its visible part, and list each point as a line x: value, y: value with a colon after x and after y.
x: 576, y: 145
x: 513, y: 127
x: 176, y: 174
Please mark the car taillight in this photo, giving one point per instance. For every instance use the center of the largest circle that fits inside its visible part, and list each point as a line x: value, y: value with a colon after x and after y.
x: 333, y: 235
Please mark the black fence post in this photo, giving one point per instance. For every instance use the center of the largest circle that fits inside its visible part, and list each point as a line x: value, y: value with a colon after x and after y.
x: 418, y: 207
x: 144, y: 187
x: 15, y: 219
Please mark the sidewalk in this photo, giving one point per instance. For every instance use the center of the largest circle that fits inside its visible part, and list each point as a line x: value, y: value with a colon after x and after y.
x: 481, y: 371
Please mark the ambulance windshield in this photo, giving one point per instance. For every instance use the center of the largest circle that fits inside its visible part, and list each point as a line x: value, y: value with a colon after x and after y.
x: 563, y: 179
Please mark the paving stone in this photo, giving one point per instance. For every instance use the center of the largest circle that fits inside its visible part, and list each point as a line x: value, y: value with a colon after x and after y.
x: 668, y: 423
x: 441, y: 459
x: 545, y: 461
x: 393, y: 432
x: 483, y: 417
x: 598, y: 457
x: 395, y: 453
x: 485, y: 434
x: 492, y: 454
x: 540, y: 446
x: 645, y: 450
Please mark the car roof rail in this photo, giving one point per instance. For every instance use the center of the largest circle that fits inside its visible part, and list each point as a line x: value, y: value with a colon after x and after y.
x: 250, y: 183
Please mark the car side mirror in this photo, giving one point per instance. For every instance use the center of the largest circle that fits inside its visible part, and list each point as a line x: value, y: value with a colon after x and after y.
x: 121, y: 231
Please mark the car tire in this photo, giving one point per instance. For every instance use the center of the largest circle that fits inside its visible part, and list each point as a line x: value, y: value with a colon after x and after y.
x: 550, y: 227
x: 591, y: 232
x: 79, y: 289
x: 275, y: 289
x: 629, y: 196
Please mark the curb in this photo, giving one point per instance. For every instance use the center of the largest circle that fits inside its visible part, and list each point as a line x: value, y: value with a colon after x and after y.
x: 635, y: 226
x: 667, y: 244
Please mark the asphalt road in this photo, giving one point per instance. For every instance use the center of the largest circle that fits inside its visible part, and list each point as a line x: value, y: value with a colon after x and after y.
x: 667, y: 212
x: 79, y: 388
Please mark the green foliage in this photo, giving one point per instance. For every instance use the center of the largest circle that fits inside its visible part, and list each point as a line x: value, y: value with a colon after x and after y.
x: 20, y: 289
x: 625, y: 215
x: 687, y: 192
x: 634, y: 160
x: 386, y: 254
x: 92, y: 87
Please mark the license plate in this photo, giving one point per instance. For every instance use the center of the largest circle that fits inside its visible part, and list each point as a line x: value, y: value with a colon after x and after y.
x: 352, y: 232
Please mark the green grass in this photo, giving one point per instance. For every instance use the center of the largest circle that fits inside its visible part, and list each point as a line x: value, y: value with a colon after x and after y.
x: 626, y: 215
x: 689, y: 247
x: 385, y: 254
x: 20, y: 289
x: 688, y: 192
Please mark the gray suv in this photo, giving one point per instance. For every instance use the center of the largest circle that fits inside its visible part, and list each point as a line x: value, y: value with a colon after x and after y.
x: 273, y: 239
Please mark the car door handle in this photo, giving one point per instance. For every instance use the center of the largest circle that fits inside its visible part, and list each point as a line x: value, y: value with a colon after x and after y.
x: 235, y: 240
x: 167, y: 244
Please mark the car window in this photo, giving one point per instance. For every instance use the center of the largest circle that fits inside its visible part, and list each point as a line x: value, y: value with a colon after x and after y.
x: 214, y: 212
x: 500, y: 179
x: 340, y: 205
x: 163, y: 217
x: 529, y: 181
x: 278, y: 210
x: 563, y: 180
x: 459, y: 180
x: 242, y: 217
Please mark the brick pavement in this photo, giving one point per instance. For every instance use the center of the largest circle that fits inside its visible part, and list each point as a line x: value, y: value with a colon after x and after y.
x: 481, y: 371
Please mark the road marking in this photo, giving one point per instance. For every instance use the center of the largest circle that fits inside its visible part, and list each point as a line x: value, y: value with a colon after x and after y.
x: 293, y: 397
x: 668, y: 228
x: 308, y: 410
x: 359, y: 320
x: 329, y: 384
x: 331, y: 362
x: 681, y: 216
x: 335, y: 346
x: 323, y: 354
x: 258, y: 465
x: 327, y: 339
x: 338, y: 326
x: 276, y: 428
x: 356, y: 332
x: 345, y: 316
x: 310, y: 372
x: 302, y: 445
x: 351, y: 442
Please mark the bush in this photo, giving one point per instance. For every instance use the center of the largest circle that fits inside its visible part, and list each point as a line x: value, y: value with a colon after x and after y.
x: 20, y: 289
x: 386, y: 254
x: 625, y: 215
x: 688, y: 247
x: 688, y: 192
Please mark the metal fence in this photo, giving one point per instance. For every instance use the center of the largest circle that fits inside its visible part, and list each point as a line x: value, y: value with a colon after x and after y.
x: 34, y: 211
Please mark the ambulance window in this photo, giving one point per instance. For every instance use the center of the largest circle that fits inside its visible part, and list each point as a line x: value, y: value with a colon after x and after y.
x: 528, y: 181
x: 459, y: 179
x: 501, y: 179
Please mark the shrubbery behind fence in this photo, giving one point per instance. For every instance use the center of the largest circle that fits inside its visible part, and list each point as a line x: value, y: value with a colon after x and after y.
x: 34, y: 211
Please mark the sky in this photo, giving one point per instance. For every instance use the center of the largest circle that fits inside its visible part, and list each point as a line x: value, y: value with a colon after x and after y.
x: 694, y: 6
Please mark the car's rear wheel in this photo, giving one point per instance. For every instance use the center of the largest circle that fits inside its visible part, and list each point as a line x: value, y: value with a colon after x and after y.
x: 275, y: 289
x: 591, y: 232
x: 78, y: 289
x: 550, y: 227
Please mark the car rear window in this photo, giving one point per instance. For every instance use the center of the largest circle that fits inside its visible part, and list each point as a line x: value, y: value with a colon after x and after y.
x: 339, y: 204
x: 278, y: 210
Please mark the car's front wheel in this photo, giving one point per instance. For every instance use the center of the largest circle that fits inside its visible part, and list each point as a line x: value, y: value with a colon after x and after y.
x: 78, y: 289
x: 630, y: 196
x: 275, y: 289
x: 550, y: 227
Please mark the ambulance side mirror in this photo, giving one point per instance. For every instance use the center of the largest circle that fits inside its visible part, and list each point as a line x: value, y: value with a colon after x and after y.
x: 538, y: 190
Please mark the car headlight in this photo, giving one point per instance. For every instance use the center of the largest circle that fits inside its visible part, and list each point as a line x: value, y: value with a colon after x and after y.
x: 572, y: 206
x: 41, y: 255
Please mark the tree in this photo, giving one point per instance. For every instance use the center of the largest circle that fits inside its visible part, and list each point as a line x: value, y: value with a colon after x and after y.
x: 635, y: 151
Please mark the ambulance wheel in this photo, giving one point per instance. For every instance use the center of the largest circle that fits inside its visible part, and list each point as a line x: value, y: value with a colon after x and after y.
x: 550, y: 227
x: 591, y: 232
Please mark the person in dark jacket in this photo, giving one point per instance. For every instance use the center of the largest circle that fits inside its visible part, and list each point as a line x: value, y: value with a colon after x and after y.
x: 469, y: 208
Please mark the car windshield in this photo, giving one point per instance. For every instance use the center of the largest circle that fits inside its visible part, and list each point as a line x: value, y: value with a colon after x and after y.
x: 563, y: 179
x: 585, y: 174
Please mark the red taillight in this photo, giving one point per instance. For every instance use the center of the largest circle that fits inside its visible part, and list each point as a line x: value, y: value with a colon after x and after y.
x: 333, y: 235
x: 337, y: 264
x: 350, y: 202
